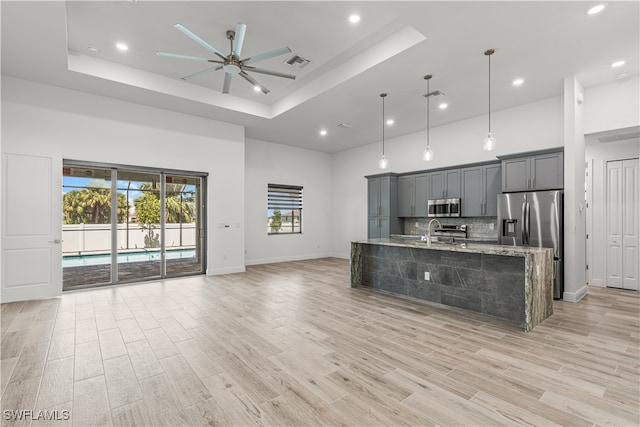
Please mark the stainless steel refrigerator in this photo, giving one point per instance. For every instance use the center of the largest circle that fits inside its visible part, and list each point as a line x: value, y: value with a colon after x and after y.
x: 534, y: 219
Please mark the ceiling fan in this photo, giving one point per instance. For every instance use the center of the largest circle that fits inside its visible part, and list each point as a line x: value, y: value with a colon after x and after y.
x: 231, y: 64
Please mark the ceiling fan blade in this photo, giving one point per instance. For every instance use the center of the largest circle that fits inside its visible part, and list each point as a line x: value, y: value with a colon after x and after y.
x: 198, y: 40
x: 227, y: 83
x: 266, y: 55
x: 241, y: 29
x: 251, y: 80
x: 200, y: 73
x: 193, y: 58
x: 271, y: 73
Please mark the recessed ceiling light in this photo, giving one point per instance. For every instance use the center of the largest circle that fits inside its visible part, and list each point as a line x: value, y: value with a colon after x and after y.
x: 518, y: 82
x: 123, y: 47
x: 596, y: 9
x: 390, y: 122
x: 443, y: 106
x: 257, y: 88
x: 354, y: 19
x: 618, y: 64
x: 323, y: 132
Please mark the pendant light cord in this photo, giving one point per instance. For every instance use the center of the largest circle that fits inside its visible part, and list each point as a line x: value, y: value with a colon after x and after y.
x: 428, y: 105
x: 489, y: 93
x: 383, y: 125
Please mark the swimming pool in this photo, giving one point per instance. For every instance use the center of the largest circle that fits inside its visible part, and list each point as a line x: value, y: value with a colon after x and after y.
x: 137, y: 256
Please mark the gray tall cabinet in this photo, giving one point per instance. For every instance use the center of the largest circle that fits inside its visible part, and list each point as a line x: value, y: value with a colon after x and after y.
x: 382, y: 212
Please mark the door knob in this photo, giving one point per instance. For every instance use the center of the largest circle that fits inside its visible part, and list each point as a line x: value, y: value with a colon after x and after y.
x: 56, y: 241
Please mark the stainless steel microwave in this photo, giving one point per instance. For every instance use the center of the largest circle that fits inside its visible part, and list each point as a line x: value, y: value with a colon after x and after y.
x: 444, y: 207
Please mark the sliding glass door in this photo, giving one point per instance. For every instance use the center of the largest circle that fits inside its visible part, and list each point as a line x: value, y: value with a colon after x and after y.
x: 159, y: 231
x: 86, y: 219
x: 183, y: 225
x: 139, y: 239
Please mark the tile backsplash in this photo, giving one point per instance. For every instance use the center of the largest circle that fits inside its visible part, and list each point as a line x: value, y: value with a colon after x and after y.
x: 477, y: 228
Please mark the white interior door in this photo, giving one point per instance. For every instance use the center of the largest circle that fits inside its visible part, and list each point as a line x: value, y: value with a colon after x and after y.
x: 31, y: 227
x: 614, y: 224
x: 630, y: 222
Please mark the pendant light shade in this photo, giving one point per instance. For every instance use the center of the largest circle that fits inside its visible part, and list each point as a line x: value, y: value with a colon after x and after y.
x: 383, y: 163
x: 427, y: 154
x: 489, y: 142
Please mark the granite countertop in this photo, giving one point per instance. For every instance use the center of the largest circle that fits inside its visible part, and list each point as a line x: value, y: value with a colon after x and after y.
x: 493, y: 249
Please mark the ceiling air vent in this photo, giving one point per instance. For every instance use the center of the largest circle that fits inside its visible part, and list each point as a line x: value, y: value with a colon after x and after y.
x: 297, y: 61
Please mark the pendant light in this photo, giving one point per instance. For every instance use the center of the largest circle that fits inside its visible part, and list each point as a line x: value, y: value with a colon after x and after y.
x: 427, y: 155
x: 489, y: 141
x: 383, y: 163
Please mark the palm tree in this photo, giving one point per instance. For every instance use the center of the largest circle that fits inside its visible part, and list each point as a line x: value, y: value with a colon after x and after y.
x: 91, y: 205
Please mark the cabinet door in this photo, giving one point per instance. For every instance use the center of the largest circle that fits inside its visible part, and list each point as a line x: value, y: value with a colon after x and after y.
x: 385, y: 196
x: 436, y: 185
x: 385, y: 227
x: 493, y: 187
x: 420, y: 195
x: 373, y: 197
x: 452, y: 184
x: 516, y: 174
x: 405, y: 196
x: 373, y: 230
x: 472, y: 191
x: 547, y: 171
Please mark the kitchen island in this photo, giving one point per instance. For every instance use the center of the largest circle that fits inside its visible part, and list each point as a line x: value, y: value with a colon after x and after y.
x: 509, y: 282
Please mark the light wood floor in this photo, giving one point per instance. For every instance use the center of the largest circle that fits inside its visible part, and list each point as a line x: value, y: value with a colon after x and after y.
x: 292, y: 344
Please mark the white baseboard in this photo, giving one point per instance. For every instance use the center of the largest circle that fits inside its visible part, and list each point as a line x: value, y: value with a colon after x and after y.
x: 285, y: 259
x: 341, y: 255
x: 226, y: 270
x: 575, y: 296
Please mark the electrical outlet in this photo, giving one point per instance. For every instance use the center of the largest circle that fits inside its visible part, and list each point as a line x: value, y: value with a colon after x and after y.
x: 225, y: 257
x: 537, y: 270
x: 427, y: 275
x: 491, y: 226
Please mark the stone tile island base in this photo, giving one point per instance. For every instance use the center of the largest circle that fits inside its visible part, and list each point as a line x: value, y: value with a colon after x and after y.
x: 512, y: 283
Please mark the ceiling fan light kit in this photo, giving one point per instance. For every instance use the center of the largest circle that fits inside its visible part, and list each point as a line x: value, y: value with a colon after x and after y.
x: 231, y: 64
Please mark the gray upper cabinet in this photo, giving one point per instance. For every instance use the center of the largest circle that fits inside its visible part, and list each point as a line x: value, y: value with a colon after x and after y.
x: 444, y: 184
x: 412, y: 195
x: 480, y: 187
x: 492, y: 180
x: 472, y: 193
x: 535, y: 172
x: 547, y: 171
x: 382, y: 202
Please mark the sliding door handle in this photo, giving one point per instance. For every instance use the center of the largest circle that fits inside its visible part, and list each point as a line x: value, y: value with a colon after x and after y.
x: 56, y: 241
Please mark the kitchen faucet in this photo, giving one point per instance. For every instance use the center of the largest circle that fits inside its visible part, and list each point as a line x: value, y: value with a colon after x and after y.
x: 427, y: 234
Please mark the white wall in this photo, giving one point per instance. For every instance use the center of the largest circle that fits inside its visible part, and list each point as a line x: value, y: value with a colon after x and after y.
x: 612, y: 106
x: 527, y: 127
x: 279, y: 164
x: 599, y: 154
x: 86, y: 127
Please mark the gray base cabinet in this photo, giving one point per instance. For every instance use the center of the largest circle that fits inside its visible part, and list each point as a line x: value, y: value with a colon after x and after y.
x: 544, y: 171
x: 382, y: 200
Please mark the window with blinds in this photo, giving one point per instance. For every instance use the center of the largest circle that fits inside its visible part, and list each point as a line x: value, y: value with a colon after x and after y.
x: 284, y: 209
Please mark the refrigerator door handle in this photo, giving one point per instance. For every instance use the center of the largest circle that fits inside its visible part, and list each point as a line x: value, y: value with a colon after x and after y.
x: 528, y: 223
x: 523, y: 226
